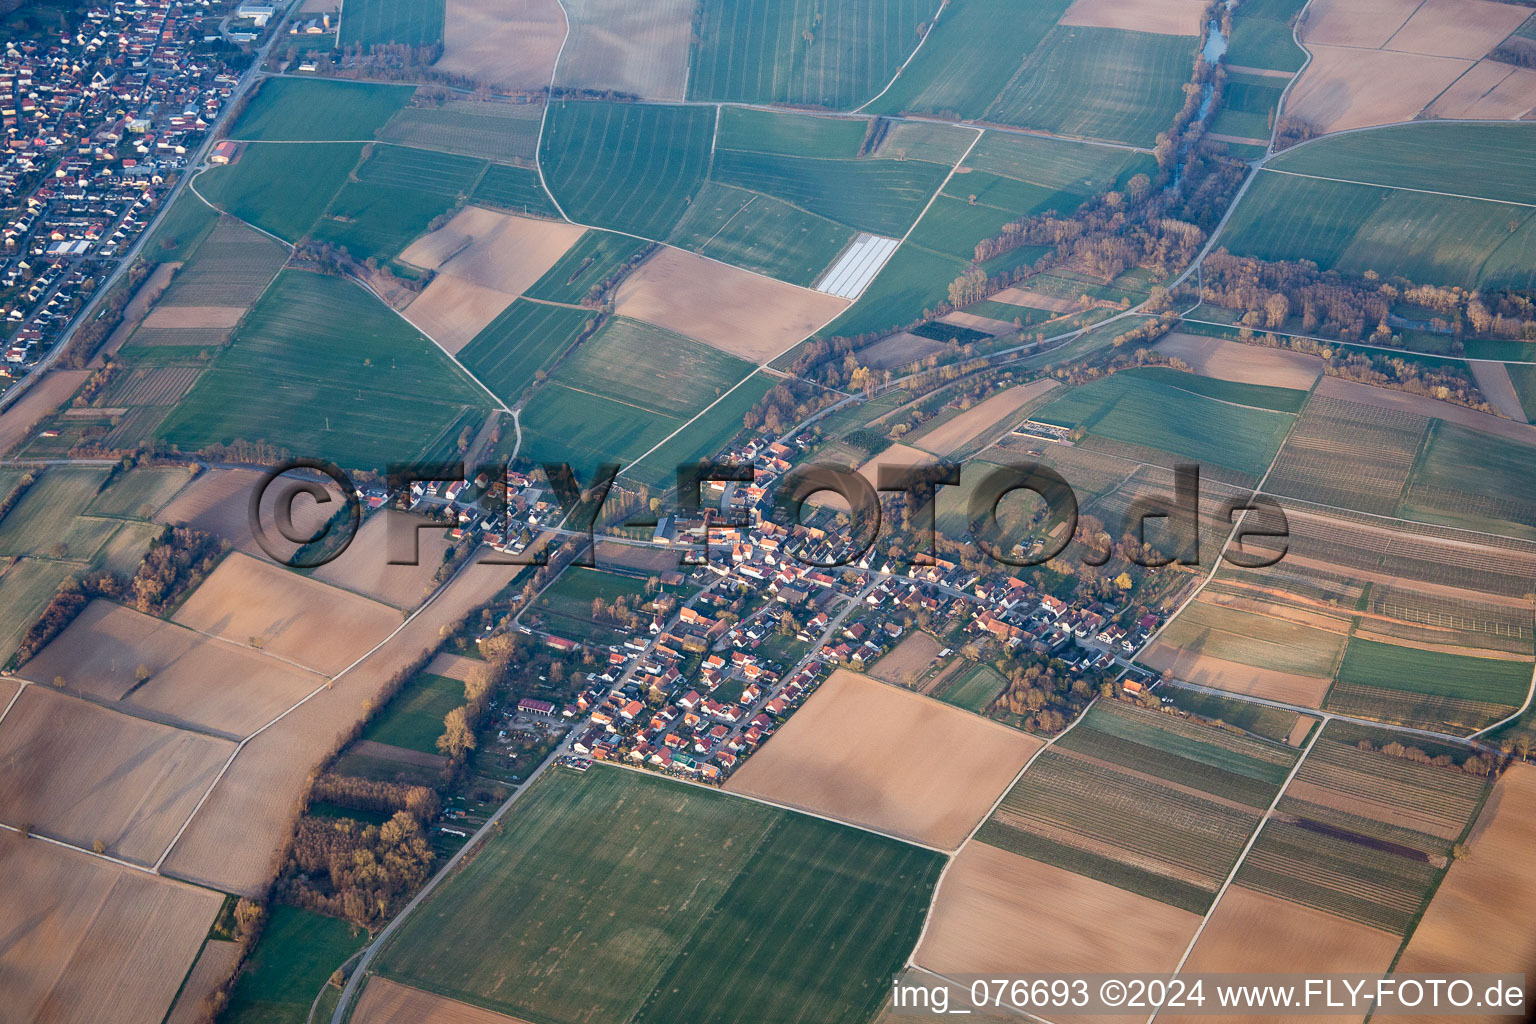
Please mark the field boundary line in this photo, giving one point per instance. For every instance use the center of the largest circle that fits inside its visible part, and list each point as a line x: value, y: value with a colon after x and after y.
x: 50, y: 840
x: 932, y: 24
x: 192, y: 187
x: 328, y: 684
x: 549, y: 102
x: 980, y: 132
x: 1401, y: 188
x: 1529, y: 694
x: 1285, y: 94
x: 939, y: 884
x: 1264, y: 819
x: 1350, y: 344
x: 14, y: 697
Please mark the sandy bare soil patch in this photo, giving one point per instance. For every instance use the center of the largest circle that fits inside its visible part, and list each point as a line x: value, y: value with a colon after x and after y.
x: 1234, y: 677
x: 633, y: 556
x: 87, y: 940
x: 898, y: 350
x: 364, y: 567
x: 305, y: 621
x: 138, y: 307
x: 1346, y: 88
x: 193, y: 678
x: 1251, y: 932
x: 195, y: 316
x: 1035, y: 300
x: 40, y: 400
x: 1368, y: 23
x: 733, y: 310
x: 453, y: 666
x: 1242, y: 364
x: 998, y: 912
x: 895, y: 455
x: 960, y: 318
x: 1457, y: 28
x: 1420, y: 405
x: 634, y: 46
x: 404, y: 755
x: 1299, y: 731
x: 1493, y: 381
x: 216, y: 963
x: 233, y: 842
x: 385, y: 1002
x: 875, y: 755
x: 1489, y: 91
x: 511, y: 43
x: 494, y: 250
x: 981, y: 418
x: 908, y: 659
x: 1480, y: 919
x: 83, y: 773
x: 1165, y: 17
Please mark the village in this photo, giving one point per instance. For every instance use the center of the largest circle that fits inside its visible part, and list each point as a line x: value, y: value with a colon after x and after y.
x: 99, y: 126
x: 739, y: 632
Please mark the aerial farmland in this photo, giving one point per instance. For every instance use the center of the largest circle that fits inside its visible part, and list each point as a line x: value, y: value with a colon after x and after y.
x: 596, y: 512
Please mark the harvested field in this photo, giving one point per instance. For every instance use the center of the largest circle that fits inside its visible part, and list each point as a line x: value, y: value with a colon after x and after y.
x: 84, y: 774
x: 908, y: 660
x: 1252, y: 932
x: 133, y: 314
x: 1233, y: 677
x: 193, y: 678
x: 1457, y: 28
x: 1165, y: 17
x: 1036, y: 300
x: 453, y: 312
x: 745, y: 314
x: 976, y: 322
x: 1480, y: 918
x: 321, y: 627
x: 898, y: 350
x: 896, y: 761
x: 194, y: 316
x: 1243, y: 364
x: 404, y: 755
x: 84, y: 935
x: 628, y: 47
x: 511, y: 43
x: 1355, y: 23
x: 1420, y: 405
x: 385, y: 1002
x: 637, y: 558
x: 255, y: 799
x: 218, y: 502
x: 39, y: 402
x: 1345, y: 87
x: 496, y: 250
x: 215, y: 964
x: 1490, y: 90
x: 983, y: 418
x: 364, y: 567
x: 989, y: 917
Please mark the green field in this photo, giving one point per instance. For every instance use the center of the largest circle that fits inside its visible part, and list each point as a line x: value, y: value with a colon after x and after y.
x: 1248, y: 104
x: 49, y: 518
x: 912, y: 281
x: 1473, y: 480
x: 622, y: 392
x: 565, y: 607
x: 1261, y: 36
x: 1257, y: 395
x: 1489, y: 161
x: 1100, y: 83
x: 526, y: 338
x: 758, y: 232
x: 513, y: 188
x: 1249, y: 638
x: 281, y: 189
x: 319, y: 110
x: 969, y: 56
x: 394, y: 197
x: 26, y: 587
x: 628, y: 166
x: 1435, y: 673
x: 790, y: 134
x: 704, y: 437
x: 139, y: 493
x: 613, y: 895
x: 974, y: 688
x: 880, y: 196
x: 184, y: 225
x: 1134, y: 409
x: 1354, y: 228
x: 322, y: 368
x: 595, y: 256
x: 414, y: 718
x: 1259, y: 719
x: 297, y: 952
x: 820, y: 53
x: 1524, y: 380
x: 370, y: 23
x: 491, y: 131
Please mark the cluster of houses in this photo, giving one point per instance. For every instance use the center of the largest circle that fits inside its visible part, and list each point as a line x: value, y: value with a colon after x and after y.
x: 96, y: 125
